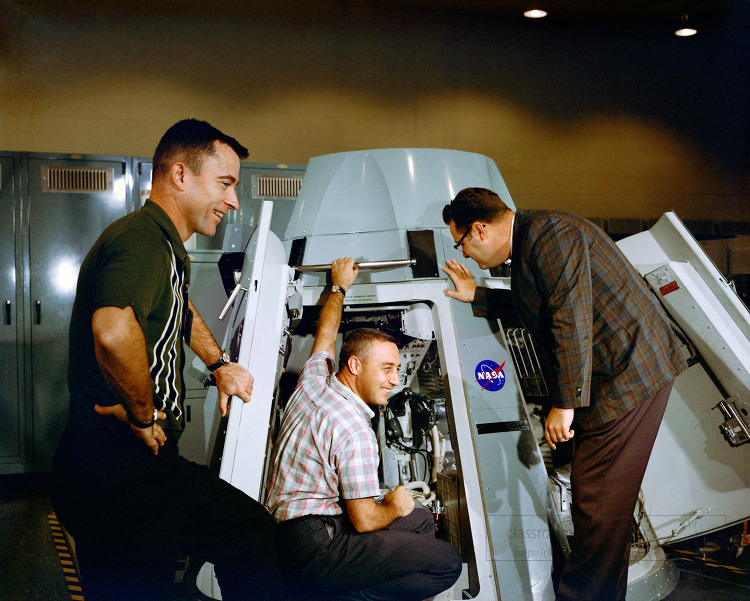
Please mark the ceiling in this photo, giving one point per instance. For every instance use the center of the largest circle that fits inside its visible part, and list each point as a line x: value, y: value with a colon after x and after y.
x: 571, y: 10
x: 574, y: 9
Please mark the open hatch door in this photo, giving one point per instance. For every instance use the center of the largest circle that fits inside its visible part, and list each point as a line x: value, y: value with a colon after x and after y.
x: 698, y: 477
x: 255, y: 338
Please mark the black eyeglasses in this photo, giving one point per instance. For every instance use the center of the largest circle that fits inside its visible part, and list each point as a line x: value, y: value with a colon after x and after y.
x: 457, y: 245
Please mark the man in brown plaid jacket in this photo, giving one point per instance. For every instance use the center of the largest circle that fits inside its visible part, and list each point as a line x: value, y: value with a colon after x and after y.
x: 612, y: 351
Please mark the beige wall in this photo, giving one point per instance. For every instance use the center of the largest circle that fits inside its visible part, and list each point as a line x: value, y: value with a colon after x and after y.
x: 577, y: 117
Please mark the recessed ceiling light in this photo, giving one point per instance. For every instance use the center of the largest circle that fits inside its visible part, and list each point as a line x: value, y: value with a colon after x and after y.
x: 534, y: 10
x: 685, y: 29
x: 535, y: 13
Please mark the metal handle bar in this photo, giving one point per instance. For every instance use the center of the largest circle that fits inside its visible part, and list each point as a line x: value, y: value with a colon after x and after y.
x: 363, y: 265
x: 237, y: 289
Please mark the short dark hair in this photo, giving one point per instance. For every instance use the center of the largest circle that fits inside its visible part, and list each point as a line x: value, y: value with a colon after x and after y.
x: 474, y: 204
x: 191, y: 141
x: 359, y: 343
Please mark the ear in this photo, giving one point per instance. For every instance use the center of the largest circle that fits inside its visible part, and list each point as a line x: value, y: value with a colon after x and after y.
x: 480, y: 230
x: 178, y: 174
x: 354, y: 365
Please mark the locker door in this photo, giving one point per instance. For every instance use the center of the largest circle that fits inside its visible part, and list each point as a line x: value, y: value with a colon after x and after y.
x: 70, y: 204
x: 10, y: 329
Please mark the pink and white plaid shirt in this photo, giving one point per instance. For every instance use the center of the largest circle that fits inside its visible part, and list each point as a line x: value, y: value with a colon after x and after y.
x: 326, y: 448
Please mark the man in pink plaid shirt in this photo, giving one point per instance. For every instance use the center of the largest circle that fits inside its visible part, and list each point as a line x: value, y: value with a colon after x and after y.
x: 335, y: 540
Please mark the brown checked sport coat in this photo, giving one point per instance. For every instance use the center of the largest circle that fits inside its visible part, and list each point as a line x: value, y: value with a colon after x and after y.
x: 607, y: 337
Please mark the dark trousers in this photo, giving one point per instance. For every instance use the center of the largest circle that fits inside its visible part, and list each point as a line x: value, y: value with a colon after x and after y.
x: 325, y: 558
x: 131, y: 512
x: 605, y: 480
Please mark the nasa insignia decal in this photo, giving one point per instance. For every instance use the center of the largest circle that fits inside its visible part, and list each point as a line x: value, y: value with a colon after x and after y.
x: 489, y: 375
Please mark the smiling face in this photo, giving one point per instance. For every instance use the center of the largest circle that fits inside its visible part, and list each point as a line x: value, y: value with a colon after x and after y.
x: 211, y: 194
x: 377, y: 374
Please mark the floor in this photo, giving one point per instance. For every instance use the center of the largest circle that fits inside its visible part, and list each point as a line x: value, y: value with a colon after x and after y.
x: 35, y: 563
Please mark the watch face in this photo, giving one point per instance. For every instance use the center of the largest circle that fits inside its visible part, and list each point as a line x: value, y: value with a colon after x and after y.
x: 223, y: 360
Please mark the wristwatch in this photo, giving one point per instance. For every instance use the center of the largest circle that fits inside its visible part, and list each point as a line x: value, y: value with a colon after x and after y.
x: 337, y: 288
x: 223, y: 360
x: 144, y: 425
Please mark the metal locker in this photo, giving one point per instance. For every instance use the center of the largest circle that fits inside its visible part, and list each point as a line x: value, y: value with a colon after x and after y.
x: 70, y: 201
x: 11, y: 329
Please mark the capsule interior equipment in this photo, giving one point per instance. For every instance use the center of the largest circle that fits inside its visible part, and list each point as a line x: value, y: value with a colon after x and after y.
x: 463, y: 430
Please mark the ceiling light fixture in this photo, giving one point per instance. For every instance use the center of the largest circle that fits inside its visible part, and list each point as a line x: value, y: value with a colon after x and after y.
x: 685, y: 29
x: 534, y: 11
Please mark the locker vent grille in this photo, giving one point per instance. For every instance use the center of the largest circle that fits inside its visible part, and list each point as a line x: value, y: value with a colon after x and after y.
x: 77, y: 179
x: 276, y: 186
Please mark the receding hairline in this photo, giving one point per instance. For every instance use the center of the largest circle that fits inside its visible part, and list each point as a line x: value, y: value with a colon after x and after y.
x: 366, y: 348
x: 190, y: 141
x: 360, y: 342
x: 475, y: 204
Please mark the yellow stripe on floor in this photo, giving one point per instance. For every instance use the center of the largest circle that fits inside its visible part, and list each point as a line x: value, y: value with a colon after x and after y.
x: 66, y: 559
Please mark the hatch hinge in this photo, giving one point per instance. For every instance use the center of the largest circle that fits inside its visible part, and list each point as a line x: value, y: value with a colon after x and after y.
x: 736, y: 419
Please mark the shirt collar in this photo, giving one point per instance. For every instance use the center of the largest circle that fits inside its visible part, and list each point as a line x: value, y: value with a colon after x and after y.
x: 158, y: 214
x: 512, y: 227
x: 347, y: 393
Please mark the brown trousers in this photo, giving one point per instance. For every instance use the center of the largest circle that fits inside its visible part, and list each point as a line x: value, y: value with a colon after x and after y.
x: 606, y: 477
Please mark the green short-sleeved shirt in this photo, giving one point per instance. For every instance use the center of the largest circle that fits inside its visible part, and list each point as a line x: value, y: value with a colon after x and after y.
x: 139, y: 261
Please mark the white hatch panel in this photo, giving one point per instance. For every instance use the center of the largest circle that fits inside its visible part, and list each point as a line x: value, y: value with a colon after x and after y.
x: 698, y: 477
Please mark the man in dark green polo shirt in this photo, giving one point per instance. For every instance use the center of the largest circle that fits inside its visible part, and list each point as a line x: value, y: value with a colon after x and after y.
x: 119, y: 485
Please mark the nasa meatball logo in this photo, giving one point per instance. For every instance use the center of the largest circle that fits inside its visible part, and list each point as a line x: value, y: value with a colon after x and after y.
x: 489, y: 375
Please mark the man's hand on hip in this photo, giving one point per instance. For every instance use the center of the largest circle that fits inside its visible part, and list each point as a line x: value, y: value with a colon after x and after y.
x: 153, y: 437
